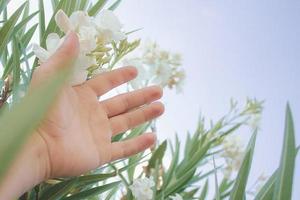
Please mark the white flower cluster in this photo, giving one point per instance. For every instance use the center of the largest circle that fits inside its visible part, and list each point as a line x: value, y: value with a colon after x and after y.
x: 233, y: 154
x: 92, y: 31
x: 157, y: 67
x: 142, y: 188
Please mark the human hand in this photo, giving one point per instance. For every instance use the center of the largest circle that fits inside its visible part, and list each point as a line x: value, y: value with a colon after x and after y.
x: 76, y: 135
x: 77, y: 132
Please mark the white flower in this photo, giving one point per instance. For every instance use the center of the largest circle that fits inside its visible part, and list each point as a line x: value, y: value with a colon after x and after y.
x: 80, y: 23
x: 53, y: 42
x: 163, y: 73
x: 141, y: 188
x: 109, y: 27
x: 143, y: 73
x: 176, y: 197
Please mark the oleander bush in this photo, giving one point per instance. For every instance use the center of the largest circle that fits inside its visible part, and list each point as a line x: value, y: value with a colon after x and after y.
x: 209, y: 164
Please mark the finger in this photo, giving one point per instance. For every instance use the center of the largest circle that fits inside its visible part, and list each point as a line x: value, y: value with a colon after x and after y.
x: 61, y: 59
x: 126, y: 121
x: 106, y: 81
x: 132, y: 146
x: 124, y: 102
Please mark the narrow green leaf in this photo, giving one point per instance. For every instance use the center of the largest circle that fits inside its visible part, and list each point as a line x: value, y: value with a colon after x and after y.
x: 267, y: 191
x: 111, y: 193
x: 59, y: 190
x: 95, y: 9
x: 94, y: 178
x: 171, y: 169
x: 216, y: 181
x: 115, y: 5
x: 8, y: 27
x: 3, y: 5
x: 28, y: 35
x: 17, y: 123
x: 204, y: 191
x: 25, y: 15
x: 92, y: 192
x: 284, y: 182
x: 25, y: 41
x: 158, y: 155
x: 83, y: 4
x: 16, y: 69
x: 42, y: 19
x: 238, y: 190
x: 54, y: 4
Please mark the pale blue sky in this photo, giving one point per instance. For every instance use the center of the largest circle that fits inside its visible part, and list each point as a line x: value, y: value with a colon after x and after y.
x: 232, y: 48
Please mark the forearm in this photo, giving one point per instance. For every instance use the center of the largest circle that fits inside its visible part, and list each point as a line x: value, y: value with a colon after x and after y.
x: 26, y: 171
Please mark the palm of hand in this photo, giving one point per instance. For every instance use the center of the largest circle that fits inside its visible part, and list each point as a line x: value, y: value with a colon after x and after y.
x: 77, y: 132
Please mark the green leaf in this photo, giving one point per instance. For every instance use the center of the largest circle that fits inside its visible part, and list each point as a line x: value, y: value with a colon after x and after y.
x: 204, y: 191
x: 115, y: 5
x: 92, y: 192
x: 284, y: 182
x: 22, y: 25
x: 3, y: 5
x: 238, y: 190
x: 25, y: 15
x: 266, y: 192
x: 16, y: 69
x: 95, y: 9
x: 25, y: 41
x: 17, y: 123
x: 59, y: 190
x: 111, y: 193
x: 6, y: 30
x: 42, y: 19
x: 216, y: 181
x: 158, y: 155
x: 54, y: 4
x: 192, y: 162
x: 28, y: 35
x: 83, y: 4
x: 94, y: 178
x: 171, y: 169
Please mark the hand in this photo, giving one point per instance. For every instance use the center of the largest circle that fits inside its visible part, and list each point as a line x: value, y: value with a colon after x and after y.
x: 78, y: 131
x: 76, y: 134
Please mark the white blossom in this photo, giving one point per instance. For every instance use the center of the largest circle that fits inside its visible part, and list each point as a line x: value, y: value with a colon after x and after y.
x: 176, y: 197
x: 80, y: 23
x: 105, y: 28
x: 109, y: 27
x: 141, y: 188
x: 143, y: 73
x: 53, y: 42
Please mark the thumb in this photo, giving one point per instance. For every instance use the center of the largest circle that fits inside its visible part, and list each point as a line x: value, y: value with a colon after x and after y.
x: 63, y: 58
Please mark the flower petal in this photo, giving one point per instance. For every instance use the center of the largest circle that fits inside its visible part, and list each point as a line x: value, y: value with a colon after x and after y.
x: 79, y: 19
x: 53, y: 42
x: 42, y: 54
x: 63, y: 22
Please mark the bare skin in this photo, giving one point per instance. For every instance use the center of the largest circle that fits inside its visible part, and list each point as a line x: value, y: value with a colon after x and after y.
x: 76, y: 135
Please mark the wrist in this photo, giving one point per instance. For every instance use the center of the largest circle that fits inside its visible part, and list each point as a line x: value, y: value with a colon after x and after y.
x: 29, y: 169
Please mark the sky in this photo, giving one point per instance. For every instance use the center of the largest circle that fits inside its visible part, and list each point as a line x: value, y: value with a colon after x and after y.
x: 231, y: 49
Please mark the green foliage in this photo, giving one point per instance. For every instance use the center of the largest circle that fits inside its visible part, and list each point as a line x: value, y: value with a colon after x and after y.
x: 284, y: 181
x: 8, y: 28
x: 238, y: 190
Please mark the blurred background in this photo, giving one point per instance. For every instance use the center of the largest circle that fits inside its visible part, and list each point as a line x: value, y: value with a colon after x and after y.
x: 231, y: 49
